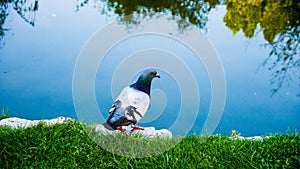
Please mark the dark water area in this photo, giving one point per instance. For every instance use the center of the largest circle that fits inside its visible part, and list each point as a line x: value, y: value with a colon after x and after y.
x: 257, y: 43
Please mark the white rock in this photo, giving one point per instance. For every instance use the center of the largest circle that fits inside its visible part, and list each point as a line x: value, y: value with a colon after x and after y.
x: 149, y: 132
x: 250, y: 138
x: 165, y: 133
x: 100, y: 128
x: 15, y: 122
x: 254, y: 138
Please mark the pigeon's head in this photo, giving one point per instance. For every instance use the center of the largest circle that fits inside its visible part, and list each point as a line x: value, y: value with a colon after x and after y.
x: 149, y: 74
x: 145, y: 79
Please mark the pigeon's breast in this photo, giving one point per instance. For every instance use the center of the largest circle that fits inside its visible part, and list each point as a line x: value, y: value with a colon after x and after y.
x: 135, y: 98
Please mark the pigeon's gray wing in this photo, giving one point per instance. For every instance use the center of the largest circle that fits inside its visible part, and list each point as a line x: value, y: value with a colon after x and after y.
x: 132, y: 98
x: 117, y: 104
x: 117, y: 116
x: 130, y: 106
x: 131, y: 112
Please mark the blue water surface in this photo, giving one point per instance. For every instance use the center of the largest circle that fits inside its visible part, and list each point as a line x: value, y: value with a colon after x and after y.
x: 37, y: 65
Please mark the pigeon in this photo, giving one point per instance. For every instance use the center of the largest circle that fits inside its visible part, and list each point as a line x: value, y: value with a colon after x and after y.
x: 132, y: 103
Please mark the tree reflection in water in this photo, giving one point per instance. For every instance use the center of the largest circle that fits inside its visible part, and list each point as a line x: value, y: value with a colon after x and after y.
x: 132, y: 12
x: 25, y: 8
x: 279, y: 21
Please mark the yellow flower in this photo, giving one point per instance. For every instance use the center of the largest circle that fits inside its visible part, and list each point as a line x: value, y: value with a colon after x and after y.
x: 233, y: 133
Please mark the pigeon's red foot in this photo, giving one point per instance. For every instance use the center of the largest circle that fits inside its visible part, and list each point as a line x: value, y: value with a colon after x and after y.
x: 134, y: 127
x: 120, y: 128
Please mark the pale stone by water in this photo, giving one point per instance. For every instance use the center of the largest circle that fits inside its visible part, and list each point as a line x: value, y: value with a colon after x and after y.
x: 15, y: 122
x: 149, y: 132
x: 250, y: 138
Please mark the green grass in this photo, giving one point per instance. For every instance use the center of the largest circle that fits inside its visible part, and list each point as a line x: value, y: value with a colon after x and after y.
x: 4, y: 114
x: 68, y: 146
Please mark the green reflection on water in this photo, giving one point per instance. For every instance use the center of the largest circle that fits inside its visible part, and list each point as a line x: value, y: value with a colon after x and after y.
x: 131, y: 12
x: 25, y: 8
x: 278, y: 20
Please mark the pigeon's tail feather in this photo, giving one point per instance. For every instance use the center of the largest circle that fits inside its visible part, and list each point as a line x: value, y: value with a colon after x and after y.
x: 108, y: 126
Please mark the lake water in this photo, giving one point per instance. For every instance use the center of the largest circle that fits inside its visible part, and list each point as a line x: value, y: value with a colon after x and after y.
x: 38, y: 62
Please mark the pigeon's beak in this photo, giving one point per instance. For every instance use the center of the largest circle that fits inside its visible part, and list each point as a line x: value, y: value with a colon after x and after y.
x: 157, y: 75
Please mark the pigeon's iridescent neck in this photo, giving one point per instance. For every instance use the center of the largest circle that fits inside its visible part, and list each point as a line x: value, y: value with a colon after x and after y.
x: 142, y: 84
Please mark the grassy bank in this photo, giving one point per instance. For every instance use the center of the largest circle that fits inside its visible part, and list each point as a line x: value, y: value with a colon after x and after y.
x: 68, y: 146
